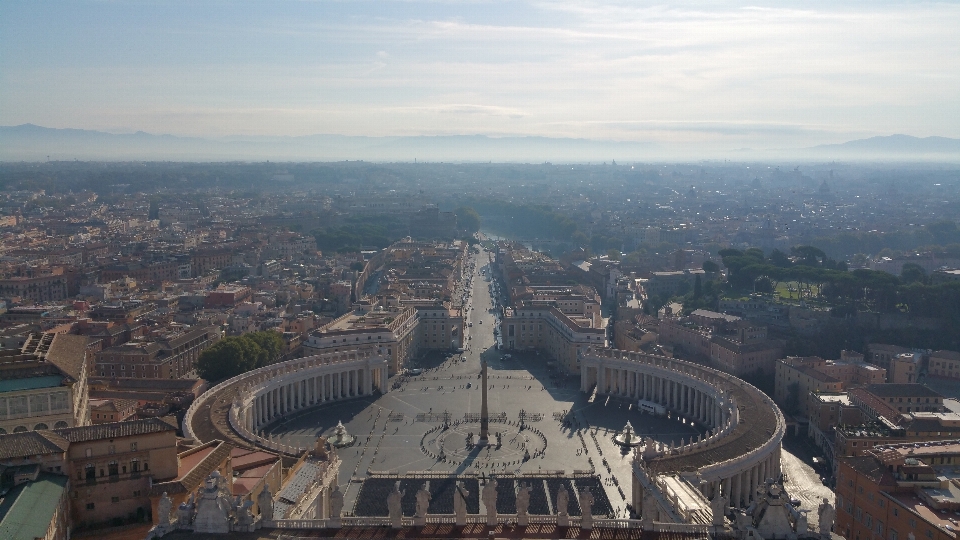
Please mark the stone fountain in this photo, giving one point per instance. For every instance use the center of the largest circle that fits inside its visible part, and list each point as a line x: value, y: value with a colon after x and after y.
x: 627, y: 437
x: 340, y: 437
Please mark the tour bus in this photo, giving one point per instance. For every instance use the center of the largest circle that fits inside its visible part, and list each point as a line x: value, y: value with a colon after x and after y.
x: 651, y: 408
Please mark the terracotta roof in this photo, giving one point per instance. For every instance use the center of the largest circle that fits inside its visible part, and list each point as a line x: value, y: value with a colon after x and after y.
x: 113, y: 430
x: 195, y: 476
x: 868, y: 466
x: 876, y: 404
x: 68, y: 353
x: 902, y: 390
x: 31, y: 443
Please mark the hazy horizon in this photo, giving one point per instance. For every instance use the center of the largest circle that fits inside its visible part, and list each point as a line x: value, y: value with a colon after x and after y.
x: 707, y: 76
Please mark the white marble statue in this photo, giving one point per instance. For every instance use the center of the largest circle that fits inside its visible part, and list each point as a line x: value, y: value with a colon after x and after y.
x: 213, y: 512
x: 460, y: 504
x: 244, y: 521
x: 563, y: 505
x: 648, y: 510
x: 394, y: 508
x: 185, y: 514
x: 423, y: 501
x: 336, y: 503
x: 719, y: 506
x: 523, y: 505
x: 489, y: 496
x: 265, y: 502
x: 826, y: 514
x: 586, y: 509
x: 163, y: 510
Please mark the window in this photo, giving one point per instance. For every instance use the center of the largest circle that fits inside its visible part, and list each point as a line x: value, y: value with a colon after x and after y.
x: 88, y: 452
x: 114, y: 499
x: 133, y: 447
x: 893, y: 534
x: 90, y: 506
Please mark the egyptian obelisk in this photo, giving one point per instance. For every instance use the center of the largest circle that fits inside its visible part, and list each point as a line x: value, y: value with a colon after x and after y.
x: 484, y: 415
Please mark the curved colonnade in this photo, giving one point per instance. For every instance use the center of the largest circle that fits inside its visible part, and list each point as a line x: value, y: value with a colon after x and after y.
x: 264, y: 395
x: 742, y: 447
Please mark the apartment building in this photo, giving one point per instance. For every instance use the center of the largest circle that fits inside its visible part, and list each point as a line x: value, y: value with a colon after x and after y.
x: 900, y: 492
x: 169, y: 356
x: 944, y: 364
x: 48, y: 286
x: 399, y: 332
x: 730, y: 343
x: 113, y: 465
x: 796, y: 377
x: 548, y: 329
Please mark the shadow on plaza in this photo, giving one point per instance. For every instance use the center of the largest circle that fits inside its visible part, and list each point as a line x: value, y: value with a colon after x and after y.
x: 324, y: 417
x: 433, y: 359
x: 613, y: 414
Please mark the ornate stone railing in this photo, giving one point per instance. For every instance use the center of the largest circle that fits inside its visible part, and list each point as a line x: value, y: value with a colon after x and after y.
x: 479, y: 519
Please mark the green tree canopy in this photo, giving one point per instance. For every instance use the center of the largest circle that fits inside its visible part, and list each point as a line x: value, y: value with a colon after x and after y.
x: 234, y: 355
x: 467, y: 219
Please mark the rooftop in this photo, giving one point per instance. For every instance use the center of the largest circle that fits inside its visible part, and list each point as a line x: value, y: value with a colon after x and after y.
x: 26, y: 512
x: 31, y: 443
x: 902, y: 390
x: 117, y: 429
x: 31, y: 383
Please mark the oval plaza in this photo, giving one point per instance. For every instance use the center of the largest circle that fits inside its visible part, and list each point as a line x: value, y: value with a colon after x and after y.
x: 706, y: 442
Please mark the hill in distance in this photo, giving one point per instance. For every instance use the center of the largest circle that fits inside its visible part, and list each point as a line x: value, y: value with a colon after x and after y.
x: 29, y: 142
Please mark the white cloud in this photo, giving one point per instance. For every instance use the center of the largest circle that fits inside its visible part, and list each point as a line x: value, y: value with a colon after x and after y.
x: 729, y: 73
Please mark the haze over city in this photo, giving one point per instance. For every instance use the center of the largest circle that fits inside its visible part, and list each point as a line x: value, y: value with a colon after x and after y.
x: 429, y: 269
x: 688, y: 79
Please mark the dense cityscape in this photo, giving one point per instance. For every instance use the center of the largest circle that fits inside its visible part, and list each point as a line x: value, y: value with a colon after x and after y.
x: 709, y: 349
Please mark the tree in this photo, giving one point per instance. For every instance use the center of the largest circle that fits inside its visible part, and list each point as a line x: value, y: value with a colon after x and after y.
x: 697, y: 288
x: 224, y: 359
x: 779, y: 258
x: 710, y: 267
x: 467, y: 219
x: 808, y: 255
x: 913, y: 273
x: 613, y: 254
x: 270, y: 342
x: 234, y: 355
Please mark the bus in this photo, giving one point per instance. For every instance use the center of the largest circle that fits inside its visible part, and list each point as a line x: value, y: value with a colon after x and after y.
x: 651, y: 408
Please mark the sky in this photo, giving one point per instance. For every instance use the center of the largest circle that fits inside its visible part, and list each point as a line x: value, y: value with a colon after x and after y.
x: 713, y: 73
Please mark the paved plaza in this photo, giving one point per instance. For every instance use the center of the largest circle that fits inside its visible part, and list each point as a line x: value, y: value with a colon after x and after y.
x: 545, y: 422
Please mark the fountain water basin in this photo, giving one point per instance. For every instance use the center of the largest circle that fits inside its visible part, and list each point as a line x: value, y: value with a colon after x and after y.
x: 627, y: 437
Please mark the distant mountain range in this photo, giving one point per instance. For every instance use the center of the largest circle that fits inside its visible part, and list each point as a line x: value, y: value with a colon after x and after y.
x: 894, y: 144
x: 28, y: 142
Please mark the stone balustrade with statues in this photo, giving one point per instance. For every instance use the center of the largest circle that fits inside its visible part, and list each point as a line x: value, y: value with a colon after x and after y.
x: 262, y: 396
x: 745, y: 428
